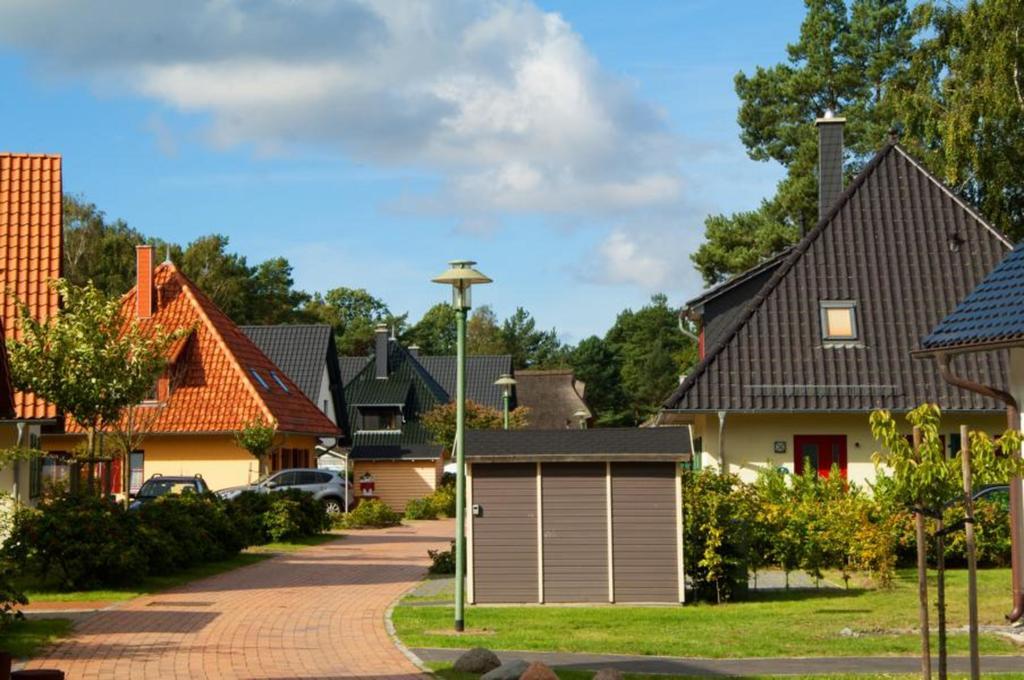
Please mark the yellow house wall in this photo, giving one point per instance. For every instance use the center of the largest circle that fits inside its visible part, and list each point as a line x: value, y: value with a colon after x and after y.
x: 750, y: 438
x: 400, y: 481
x: 216, y: 457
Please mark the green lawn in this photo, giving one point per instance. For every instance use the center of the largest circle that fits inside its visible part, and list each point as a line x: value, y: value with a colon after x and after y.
x: 23, y: 638
x: 445, y: 671
x: 49, y: 592
x: 798, y: 623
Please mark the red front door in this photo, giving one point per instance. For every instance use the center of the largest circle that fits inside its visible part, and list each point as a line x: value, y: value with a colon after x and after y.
x: 820, y: 452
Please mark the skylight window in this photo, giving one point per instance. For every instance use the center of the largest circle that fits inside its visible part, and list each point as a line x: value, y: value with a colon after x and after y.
x: 259, y: 379
x: 839, y: 320
x: 279, y: 382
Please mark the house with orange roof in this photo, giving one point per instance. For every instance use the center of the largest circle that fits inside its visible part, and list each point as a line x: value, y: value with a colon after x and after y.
x: 31, y: 253
x: 217, y: 382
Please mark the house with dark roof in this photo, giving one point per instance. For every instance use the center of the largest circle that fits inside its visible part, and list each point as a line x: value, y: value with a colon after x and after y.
x: 554, y: 398
x: 989, y: 322
x: 796, y: 352
x: 307, y: 354
x: 218, y: 381
x: 31, y: 255
x: 385, y: 394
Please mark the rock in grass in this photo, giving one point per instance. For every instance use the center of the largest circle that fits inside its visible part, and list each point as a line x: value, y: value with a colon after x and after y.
x: 608, y: 674
x: 538, y: 671
x: 477, y: 660
x: 510, y: 670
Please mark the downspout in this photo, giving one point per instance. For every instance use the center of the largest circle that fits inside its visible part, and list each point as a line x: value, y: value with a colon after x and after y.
x: 721, y: 443
x: 1016, y: 520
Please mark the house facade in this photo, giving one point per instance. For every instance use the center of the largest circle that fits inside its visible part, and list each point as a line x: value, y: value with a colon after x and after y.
x: 217, y: 382
x: 797, y: 352
x: 31, y: 256
x: 385, y: 394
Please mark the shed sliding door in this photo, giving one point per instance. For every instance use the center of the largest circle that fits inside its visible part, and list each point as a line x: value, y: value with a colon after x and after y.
x: 575, y: 514
x: 505, y: 536
x: 644, y: 547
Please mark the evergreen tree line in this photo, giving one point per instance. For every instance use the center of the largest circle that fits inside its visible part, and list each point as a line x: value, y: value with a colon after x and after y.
x: 627, y: 372
x: 948, y: 78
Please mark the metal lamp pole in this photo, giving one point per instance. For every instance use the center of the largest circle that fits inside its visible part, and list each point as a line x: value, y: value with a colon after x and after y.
x: 505, y: 382
x: 461, y: 276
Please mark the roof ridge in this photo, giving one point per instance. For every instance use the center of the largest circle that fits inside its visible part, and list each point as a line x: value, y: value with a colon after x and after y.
x: 795, y: 254
x: 195, y: 294
x: 23, y: 154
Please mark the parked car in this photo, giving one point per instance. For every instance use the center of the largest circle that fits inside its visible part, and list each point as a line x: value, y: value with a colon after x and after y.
x: 325, y: 485
x: 996, y: 493
x: 162, y: 485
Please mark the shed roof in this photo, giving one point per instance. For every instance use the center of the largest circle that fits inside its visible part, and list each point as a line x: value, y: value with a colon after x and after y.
x: 991, y: 316
x: 31, y: 250
x: 906, y: 249
x: 599, y: 443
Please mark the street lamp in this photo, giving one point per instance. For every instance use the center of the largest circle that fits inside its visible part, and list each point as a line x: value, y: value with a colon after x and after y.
x: 506, y: 382
x: 461, y: 276
x: 581, y: 416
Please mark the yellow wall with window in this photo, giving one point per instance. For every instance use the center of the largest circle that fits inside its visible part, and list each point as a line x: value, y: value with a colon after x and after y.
x: 750, y: 439
x: 216, y: 457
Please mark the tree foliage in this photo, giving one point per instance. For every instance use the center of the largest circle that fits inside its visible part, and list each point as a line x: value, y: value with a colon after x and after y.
x: 440, y: 420
x: 259, y: 438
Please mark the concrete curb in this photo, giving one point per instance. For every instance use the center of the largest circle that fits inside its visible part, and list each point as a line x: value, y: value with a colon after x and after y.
x: 389, y: 626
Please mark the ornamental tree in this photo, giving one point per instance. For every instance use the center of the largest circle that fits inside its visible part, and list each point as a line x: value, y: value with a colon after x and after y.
x: 440, y: 420
x: 88, y: 360
x: 259, y: 438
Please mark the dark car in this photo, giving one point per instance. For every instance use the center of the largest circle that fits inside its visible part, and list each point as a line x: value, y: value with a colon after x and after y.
x: 997, y: 493
x: 328, y: 486
x: 162, y: 485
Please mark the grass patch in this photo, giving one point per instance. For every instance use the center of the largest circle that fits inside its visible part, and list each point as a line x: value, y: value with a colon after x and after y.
x: 24, y: 638
x: 444, y: 670
x: 795, y: 623
x: 294, y: 545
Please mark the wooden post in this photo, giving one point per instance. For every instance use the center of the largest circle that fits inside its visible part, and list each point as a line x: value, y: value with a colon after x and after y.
x: 940, y: 586
x: 972, y: 555
x: 922, y: 580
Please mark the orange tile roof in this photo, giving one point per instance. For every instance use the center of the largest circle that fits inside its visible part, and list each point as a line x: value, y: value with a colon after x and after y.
x: 31, y: 249
x: 218, y: 391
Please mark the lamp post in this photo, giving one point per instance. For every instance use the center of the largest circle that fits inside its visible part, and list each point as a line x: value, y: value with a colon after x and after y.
x: 461, y: 276
x: 581, y: 417
x: 506, y: 382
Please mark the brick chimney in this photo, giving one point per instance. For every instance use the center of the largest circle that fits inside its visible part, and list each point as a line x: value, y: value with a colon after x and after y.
x: 830, y: 160
x: 144, y: 281
x: 381, y: 351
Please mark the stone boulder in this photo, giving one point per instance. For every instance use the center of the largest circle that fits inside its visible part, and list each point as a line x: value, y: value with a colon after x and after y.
x: 510, y: 670
x: 608, y: 674
x: 478, y: 661
x: 538, y: 671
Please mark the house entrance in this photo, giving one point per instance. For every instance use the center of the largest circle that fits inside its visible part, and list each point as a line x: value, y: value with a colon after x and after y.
x: 820, y: 452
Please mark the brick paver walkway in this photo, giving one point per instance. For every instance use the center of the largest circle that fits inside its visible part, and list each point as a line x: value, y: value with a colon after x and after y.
x: 317, y: 613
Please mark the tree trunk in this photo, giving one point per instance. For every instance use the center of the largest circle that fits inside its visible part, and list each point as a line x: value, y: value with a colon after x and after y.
x: 90, y: 469
x: 922, y: 596
x: 972, y: 556
x: 940, y: 586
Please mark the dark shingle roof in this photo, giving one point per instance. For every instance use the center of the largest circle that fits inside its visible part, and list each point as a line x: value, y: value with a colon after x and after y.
x: 886, y: 243
x: 481, y: 372
x: 350, y: 367
x: 624, y: 442
x: 300, y: 351
x: 553, y: 397
x: 395, y: 451
x: 993, y: 314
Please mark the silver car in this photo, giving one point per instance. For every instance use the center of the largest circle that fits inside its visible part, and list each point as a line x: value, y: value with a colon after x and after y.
x: 325, y: 485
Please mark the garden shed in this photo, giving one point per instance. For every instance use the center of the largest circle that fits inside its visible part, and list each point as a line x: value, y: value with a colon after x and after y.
x: 560, y: 516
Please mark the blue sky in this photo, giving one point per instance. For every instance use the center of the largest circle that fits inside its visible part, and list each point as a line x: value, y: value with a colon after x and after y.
x: 571, y: 148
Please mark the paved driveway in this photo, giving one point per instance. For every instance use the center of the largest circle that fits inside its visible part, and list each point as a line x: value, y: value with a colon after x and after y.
x: 317, y: 613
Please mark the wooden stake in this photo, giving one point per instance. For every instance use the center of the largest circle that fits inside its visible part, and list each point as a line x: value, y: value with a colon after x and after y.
x: 972, y: 555
x: 922, y: 580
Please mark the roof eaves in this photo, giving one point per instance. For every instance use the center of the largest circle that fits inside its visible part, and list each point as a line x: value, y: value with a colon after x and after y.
x: 732, y: 282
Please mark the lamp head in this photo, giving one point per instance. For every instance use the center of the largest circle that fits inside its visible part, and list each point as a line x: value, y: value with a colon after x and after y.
x: 506, y: 382
x: 461, y: 276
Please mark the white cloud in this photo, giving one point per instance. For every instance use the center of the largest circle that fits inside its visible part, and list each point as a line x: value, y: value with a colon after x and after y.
x: 498, y: 98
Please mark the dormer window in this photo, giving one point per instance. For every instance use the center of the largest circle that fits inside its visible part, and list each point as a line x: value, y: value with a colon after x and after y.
x: 380, y: 419
x: 839, y: 320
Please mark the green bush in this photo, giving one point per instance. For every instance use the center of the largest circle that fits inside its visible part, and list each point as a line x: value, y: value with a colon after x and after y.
x: 82, y: 540
x: 246, y: 511
x: 443, y: 500
x: 369, y: 514
x: 442, y: 561
x: 717, y: 534
x: 179, y: 531
x: 421, y: 508
x: 309, y: 515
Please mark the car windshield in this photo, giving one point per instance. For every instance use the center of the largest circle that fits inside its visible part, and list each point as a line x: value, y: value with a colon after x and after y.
x: 155, y: 488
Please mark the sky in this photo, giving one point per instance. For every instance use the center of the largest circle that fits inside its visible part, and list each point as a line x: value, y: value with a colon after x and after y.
x: 572, y: 148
